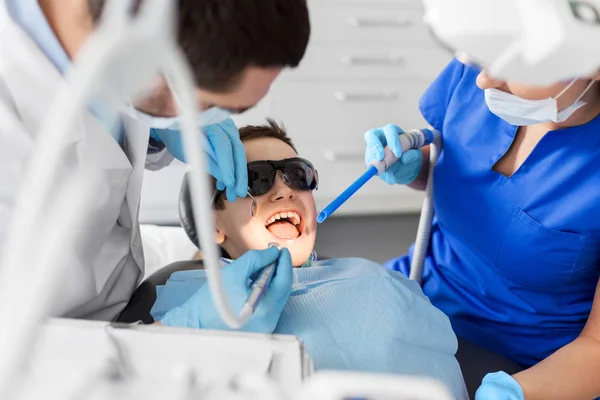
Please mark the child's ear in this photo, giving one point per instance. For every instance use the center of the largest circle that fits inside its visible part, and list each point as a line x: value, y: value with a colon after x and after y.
x: 220, y: 236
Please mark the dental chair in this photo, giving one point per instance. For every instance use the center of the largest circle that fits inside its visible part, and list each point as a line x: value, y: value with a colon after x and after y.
x: 475, y: 361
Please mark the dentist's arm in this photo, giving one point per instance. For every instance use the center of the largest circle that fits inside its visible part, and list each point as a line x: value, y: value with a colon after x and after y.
x: 572, y: 373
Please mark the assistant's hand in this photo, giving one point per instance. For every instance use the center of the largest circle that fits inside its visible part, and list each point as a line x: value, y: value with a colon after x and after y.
x: 200, y: 312
x: 230, y: 167
x: 499, y: 386
x: 403, y: 172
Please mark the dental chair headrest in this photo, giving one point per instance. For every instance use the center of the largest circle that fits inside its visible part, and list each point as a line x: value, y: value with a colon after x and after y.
x: 186, y: 215
x: 186, y: 212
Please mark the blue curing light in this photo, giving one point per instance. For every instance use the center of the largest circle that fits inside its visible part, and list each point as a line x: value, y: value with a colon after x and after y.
x: 346, y: 194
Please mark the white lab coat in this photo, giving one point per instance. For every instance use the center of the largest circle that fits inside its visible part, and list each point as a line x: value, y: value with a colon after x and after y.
x: 110, y: 264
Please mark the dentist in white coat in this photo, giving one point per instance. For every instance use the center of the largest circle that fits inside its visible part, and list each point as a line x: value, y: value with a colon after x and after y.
x: 235, y: 51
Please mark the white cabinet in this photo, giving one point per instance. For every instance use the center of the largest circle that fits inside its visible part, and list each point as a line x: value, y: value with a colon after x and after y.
x: 345, y: 110
x: 368, y: 61
x: 367, y: 65
x: 368, y: 24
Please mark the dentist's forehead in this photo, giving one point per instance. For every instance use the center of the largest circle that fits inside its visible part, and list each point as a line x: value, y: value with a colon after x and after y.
x: 267, y: 149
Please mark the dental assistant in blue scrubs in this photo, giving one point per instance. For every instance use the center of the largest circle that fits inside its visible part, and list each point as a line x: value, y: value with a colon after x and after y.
x: 514, y: 257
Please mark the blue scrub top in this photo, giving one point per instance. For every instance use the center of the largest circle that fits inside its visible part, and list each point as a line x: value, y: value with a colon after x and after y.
x: 513, y: 261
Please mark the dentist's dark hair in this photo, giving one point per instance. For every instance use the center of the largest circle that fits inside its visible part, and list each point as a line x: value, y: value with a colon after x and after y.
x: 222, y: 37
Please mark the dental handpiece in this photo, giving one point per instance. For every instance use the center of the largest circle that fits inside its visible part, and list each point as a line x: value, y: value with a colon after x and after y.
x: 413, y: 139
x: 259, y: 287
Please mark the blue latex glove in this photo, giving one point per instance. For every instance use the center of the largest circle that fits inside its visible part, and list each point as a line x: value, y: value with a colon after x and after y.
x: 200, y: 312
x: 403, y: 172
x: 230, y: 166
x: 499, y: 386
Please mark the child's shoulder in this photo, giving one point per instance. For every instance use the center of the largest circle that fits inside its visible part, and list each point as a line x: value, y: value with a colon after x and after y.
x: 345, y: 268
x: 356, y: 264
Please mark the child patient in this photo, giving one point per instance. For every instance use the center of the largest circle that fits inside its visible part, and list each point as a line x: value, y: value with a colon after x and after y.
x: 351, y: 314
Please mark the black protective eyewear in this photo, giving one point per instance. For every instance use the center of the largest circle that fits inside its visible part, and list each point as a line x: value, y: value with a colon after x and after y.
x: 297, y: 173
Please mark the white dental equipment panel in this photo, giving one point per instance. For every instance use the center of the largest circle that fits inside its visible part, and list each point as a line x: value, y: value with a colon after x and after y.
x: 153, y: 360
x: 366, y: 66
x: 144, y: 362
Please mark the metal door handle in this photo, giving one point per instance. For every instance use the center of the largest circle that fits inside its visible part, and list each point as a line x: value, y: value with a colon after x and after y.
x: 381, y: 22
x: 347, y: 97
x: 390, y: 59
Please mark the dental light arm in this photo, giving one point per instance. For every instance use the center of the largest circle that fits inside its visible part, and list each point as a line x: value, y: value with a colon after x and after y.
x: 537, y: 42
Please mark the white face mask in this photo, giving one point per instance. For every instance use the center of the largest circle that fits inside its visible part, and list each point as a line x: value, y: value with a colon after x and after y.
x: 211, y: 116
x: 523, y: 112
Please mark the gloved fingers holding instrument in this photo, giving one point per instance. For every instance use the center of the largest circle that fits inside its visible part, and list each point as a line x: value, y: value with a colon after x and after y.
x: 266, y: 316
x: 408, y: 167
x: 199, y: 311
x: 225, y: 151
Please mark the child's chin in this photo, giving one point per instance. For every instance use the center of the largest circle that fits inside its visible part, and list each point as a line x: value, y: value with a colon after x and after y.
x: 299, y: 258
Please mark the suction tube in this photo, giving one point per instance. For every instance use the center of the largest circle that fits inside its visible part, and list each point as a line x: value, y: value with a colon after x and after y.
x: 414, y: 139
x: 424, y: 230
x: 346, y: 194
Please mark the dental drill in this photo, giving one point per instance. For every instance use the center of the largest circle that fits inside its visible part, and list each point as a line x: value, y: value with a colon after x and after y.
x: 259, y: 288
x: 414, y: 139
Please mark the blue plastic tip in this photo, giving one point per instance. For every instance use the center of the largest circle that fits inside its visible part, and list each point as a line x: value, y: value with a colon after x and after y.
x: 322, y: 216
x: 346, y: 194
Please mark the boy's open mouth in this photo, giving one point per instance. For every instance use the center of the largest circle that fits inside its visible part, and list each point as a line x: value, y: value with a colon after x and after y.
x: 285, y: 224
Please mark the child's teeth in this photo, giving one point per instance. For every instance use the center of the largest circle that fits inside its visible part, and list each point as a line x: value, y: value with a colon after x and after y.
x: 291, y: 215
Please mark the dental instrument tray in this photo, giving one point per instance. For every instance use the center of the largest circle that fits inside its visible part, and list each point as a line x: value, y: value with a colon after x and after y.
x: 158, y: 361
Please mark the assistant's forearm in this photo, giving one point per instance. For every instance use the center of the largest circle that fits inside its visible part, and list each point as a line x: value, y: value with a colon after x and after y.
x: 421, y: 182
x: 572, y: 373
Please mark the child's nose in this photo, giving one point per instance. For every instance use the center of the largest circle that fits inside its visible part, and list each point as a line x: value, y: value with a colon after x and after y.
x: 281, y: 188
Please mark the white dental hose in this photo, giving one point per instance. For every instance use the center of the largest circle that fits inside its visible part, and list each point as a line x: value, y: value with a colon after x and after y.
x: 424, y: 230
x: 200, y: 192
x: 135, y: 49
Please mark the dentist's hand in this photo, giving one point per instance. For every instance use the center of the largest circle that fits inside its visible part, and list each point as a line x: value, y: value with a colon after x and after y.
x: 499, y: 386
x: 230, y: 167
x: 403, y: 172
x: 200, y: 312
